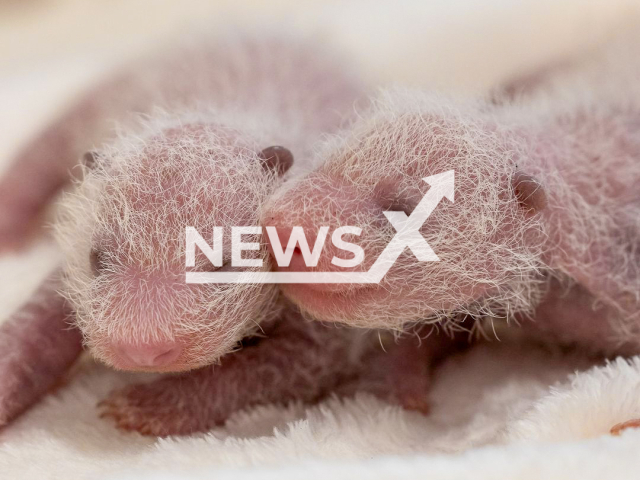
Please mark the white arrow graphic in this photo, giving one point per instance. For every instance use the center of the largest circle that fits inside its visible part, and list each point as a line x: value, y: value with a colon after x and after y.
x: 408, y: 228
x: 407, y: 236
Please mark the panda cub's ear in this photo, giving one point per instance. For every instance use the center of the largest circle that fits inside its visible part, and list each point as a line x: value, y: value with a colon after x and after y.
x: 89, y: 159
x: 529, y: 192
x: 276, y: 158
x: 88, y: 162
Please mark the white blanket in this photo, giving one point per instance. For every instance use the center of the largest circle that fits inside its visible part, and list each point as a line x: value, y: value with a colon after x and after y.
x: 500, y: 410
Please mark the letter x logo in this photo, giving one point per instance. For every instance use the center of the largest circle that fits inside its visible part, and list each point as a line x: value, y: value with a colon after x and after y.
x: 408, y: 236
x: 408, y: 227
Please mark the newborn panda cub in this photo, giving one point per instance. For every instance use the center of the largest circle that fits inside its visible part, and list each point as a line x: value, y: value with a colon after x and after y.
x: 123, y: 234
x: 546, y: 220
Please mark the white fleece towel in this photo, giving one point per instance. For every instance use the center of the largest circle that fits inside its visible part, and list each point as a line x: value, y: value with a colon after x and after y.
x: 500, y: 410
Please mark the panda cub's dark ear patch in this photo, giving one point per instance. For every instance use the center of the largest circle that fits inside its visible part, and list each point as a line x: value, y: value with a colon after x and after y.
x: 529, y: 192
x: 90, y: 159
x: 276, y: 158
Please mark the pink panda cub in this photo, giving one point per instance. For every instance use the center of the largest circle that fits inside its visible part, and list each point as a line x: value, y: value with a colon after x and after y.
x: 546, y: 220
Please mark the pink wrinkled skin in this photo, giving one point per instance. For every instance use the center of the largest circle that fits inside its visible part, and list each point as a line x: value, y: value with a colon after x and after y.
x: 297, y: 360
x: 38, y: 345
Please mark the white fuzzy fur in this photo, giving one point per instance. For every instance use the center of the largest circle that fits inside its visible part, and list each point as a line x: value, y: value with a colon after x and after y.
x: 222, y: 188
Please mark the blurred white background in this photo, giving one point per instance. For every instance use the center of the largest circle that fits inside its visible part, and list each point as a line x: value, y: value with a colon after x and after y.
x: 50, y: 49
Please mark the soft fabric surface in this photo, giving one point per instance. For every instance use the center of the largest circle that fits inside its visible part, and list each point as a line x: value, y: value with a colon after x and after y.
x: 500, y: 410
